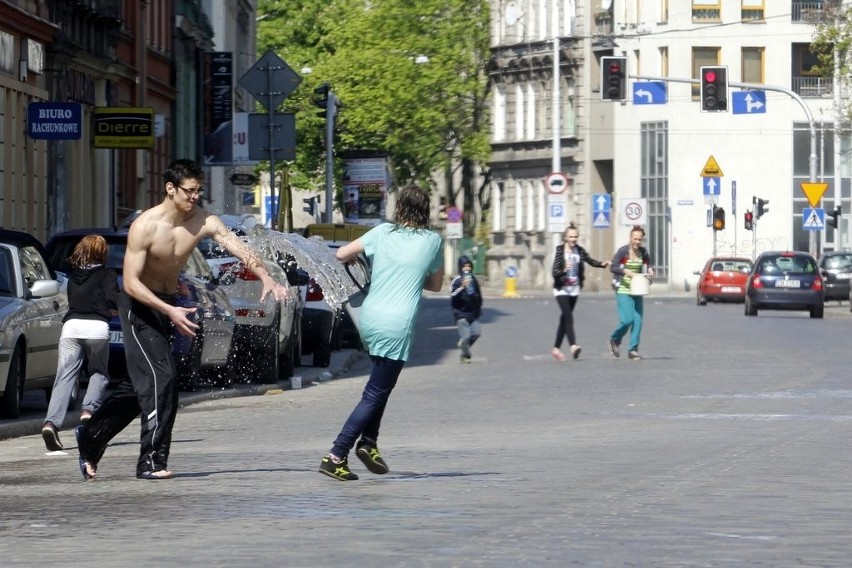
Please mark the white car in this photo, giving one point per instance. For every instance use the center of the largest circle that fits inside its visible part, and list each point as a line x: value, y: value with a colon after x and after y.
x: 31, y: 311
x: 268, y: 334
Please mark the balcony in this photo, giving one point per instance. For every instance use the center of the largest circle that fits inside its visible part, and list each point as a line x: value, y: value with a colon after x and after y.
x: 807, y: 11
x: 812, y: 87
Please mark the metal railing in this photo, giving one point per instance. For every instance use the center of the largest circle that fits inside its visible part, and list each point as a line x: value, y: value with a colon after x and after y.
x: 811, y: 87
x: 807, y: 11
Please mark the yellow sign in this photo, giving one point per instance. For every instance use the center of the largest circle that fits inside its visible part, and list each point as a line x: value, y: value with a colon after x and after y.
x: 123, y: 127
x: 814, y: 192
x: 712, y: 169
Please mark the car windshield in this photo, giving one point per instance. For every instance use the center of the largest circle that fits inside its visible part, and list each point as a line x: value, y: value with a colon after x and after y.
x: 731, y: 265
x: 7, y: 276
x: 63, y: 248
x: 839, y: 262
x: 787, y: 264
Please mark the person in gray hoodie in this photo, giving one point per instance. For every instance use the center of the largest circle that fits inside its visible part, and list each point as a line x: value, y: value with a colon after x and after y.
x: 466, y: 301
x: 92, y: 296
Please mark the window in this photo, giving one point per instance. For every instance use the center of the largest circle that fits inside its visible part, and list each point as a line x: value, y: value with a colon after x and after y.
x: 33, y: 267
x: 499, y: 122
x: 653, y: 180
x: 664, y: 62
x: 752, y: 10
x: 706, y: 11
x: 519, y: 112
x: 530, y: 114
x: 702, y: 56
x: 664, y: 11
x: 806, y: 62
x: 752, y: 64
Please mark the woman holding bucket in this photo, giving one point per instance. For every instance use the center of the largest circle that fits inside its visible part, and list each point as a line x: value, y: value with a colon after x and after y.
x: 631, y: 262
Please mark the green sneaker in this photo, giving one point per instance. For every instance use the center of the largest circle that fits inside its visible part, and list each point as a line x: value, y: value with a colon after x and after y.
x: 368, y: 453
x: 337, y: 470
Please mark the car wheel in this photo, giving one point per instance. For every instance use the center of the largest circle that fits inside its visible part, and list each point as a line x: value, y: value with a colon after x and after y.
x: 750, y: 310
x: 700, y: 300
x: 271, y: 360
x: 297, y: 345
x: 817, y: 313
x: 10, y: 404
x: 322, y: 350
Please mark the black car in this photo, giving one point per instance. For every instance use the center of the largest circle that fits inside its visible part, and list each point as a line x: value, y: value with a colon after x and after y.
x: 203, y: 360
x: 836, y: 269
x: 785, y: 280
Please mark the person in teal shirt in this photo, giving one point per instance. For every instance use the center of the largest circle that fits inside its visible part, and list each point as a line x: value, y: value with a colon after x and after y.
x: 406, y: 258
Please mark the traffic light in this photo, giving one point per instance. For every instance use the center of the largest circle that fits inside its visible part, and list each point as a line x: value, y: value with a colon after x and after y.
x: 760, y: 206
x: 311, y: 205
x: 613, y: 78
x: 714, y: 89
x: 749, y: 221
x: 718, y: 219
x: 323, y: 99
x: 832, y: 219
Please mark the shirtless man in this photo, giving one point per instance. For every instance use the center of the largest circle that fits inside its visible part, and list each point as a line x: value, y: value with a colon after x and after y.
x: 158, y: 244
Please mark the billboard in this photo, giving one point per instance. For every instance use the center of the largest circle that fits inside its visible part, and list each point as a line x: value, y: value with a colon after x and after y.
x: 218, y: 107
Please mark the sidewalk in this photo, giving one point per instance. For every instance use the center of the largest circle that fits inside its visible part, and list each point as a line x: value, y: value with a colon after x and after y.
x: 341, y: 361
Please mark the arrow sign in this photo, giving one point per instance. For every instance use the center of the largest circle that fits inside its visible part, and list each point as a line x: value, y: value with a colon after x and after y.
x: 813, y: 219
x: 749, y: 102
x: 601, y: 202
x: 712, y: 186
x: 649, y: 93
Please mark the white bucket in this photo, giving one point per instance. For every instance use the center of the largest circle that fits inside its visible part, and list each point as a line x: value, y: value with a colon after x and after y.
x: 296, y: 382
x: 640, y: 285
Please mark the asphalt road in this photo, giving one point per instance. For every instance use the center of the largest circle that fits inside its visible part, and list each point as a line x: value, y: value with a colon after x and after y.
x: 726, y: 446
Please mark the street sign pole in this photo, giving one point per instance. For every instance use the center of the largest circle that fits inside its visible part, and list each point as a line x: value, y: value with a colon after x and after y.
x: 270, y: 108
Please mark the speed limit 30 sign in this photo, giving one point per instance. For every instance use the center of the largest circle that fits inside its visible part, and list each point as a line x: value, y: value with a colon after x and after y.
x: 634, y: 211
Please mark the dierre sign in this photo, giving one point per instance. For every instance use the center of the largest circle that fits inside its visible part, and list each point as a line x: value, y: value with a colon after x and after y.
x: 123, y: 127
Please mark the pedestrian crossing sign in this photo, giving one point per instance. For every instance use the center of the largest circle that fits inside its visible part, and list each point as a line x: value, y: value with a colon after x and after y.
x: 813, y: 219
x: 601, y: 220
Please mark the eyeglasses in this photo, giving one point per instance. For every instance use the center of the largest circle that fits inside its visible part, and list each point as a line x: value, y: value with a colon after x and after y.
x: 197, y: 192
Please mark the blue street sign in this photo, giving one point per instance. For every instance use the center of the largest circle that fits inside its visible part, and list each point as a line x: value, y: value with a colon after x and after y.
x: 813, y: 219
x: 749, y: 102
x: 601, y: 202
x: 54, y: 121
x: 712, y: 186
x: 649, y: 93
x: 600, y: 219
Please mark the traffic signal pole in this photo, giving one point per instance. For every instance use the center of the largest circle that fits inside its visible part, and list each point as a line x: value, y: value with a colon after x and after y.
x: 812, y: 158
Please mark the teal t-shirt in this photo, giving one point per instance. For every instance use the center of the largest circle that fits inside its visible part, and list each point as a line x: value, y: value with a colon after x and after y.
x: 401, y: 260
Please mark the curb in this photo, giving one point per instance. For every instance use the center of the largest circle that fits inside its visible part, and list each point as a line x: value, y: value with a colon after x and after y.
x: 32, y: 426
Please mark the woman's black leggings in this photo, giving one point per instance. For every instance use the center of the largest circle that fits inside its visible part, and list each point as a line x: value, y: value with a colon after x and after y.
x: 566, y: 320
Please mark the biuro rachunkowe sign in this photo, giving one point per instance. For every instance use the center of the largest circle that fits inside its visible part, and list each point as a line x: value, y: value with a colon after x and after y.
x: 123, y: 127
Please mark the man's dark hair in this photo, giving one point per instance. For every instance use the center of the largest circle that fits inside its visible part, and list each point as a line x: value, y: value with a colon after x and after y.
x: 180, y: 170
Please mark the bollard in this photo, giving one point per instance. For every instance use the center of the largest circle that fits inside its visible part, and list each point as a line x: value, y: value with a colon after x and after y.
x: 510, y: 283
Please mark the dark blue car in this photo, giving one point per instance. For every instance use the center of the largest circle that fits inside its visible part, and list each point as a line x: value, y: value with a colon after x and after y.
x: 203, y: 361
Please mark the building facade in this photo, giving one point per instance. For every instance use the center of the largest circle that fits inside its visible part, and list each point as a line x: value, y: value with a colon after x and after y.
x: 651, y: 158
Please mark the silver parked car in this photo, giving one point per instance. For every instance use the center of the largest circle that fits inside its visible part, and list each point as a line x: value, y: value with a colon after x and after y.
x: 31, y: 311
x: 268, y: 334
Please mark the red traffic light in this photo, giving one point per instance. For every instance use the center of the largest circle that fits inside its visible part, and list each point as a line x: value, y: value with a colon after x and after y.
x: 710, y: 76
x: 614, y: 67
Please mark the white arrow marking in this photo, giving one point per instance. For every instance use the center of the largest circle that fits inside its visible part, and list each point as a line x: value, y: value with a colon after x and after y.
x: 647, y: 94
x: 751, y: 103
x: 601, y: 203
x: 711, y: 185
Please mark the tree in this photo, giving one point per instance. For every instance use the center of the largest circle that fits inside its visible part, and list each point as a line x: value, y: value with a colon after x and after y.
x: 412, y: 78
x: 832, y: 44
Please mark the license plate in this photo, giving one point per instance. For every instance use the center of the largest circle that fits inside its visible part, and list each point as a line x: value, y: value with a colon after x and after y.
x: 116, y: 337
x: 731, y: 290
x: 788, y: 284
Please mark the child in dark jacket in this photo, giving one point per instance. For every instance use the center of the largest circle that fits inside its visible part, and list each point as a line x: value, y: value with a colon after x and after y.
x: 466, y: 300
